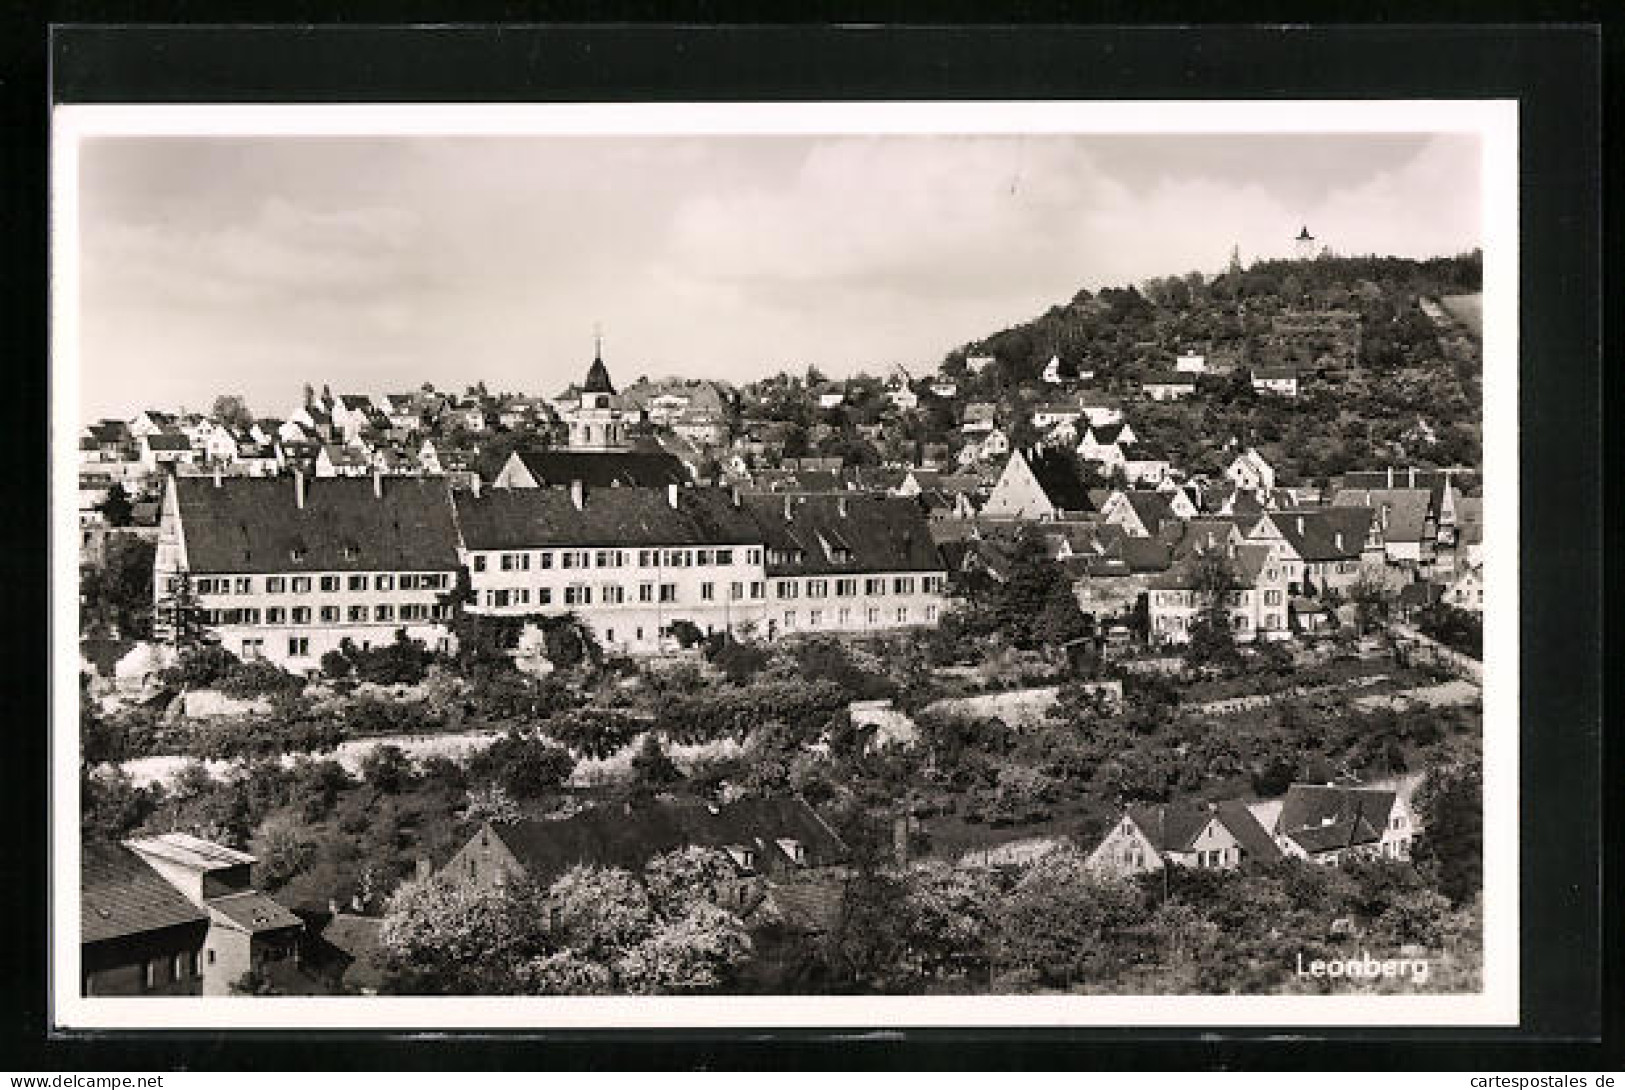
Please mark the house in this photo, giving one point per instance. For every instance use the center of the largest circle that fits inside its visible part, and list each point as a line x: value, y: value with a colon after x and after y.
x: 1168, y: 387
x: 977, y: 364
x: 1327, y: 823
x: 862, y: 562
x: 600, y: 419
x: 1466, y: 590
x: 1142, y: 512
x: 1280, y: 379
x: 1257, y: 605
x: 152, y: 422
x: 1250, y: 471
x: 1052, y: 372
x: 1040, y: 484
x: 286, y: 570
x: 337, y: 461
x: 1320, y: 548
x: 829, y: 396
x: 767, y: 841
x: 1444, y: 492
x: 630, y: 561
x: 902, y: 397
x: 1146, y: 471
x: 161, y: 451
x: 247, y: 931
x: 1403, y: 519
x: 1049, y: 414
x: 943, y: 387
x: 979, y: 418
x: 995, y: 444
x: 137, y: 934
x: 1219, y: 835
x: 1190, y: 363
x: 1100, y: 414
x: 607, y: 469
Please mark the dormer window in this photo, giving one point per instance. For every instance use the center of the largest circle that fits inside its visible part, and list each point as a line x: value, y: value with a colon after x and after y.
x: 351, y: 552
x: 297, y: 554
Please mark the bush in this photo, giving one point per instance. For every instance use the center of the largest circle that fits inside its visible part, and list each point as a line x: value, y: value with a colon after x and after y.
x: 258, y: 677
x: 594, y: 731
x: 199, y: 667
x: 387, y: 769
x: 524, y: 764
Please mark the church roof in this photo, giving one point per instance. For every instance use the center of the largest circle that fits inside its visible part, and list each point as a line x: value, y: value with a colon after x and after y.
x: 598, y: 379
x: 1304, y: 234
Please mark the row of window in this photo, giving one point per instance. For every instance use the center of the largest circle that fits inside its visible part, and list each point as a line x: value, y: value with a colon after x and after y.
x: 613, y: 594
x: 328, y: 584
x: 329, y: 614
x: 874, y: 587
x: 843, y: 617
x: 611, y: 558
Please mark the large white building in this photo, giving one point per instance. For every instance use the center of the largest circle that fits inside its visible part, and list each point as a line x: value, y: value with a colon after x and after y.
x: 287, y: 569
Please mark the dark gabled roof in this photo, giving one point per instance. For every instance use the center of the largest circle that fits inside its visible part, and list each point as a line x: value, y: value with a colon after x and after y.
x: 1434, y: 480
x: 1406, y: 509
x: 1151, y: 507
x: 254, y: 524
x: 121, y: 895
x: 598, y: 379
x: 1314, y: 532
x: 874, y: 533
x: 1144, y: 554
x: 1199, y: 535
x: 617, y: 836
x: 253, y: 912
x: 535, y: 518
x: 356, y: 937
x: 1420, y: 595
x: 355, y: 401
x: 1106, y: 434
x: 1327, y: 817
x: 165, y: 441
x: 1174, y: 827
x: 1060, y: 473
x: 645, y: 469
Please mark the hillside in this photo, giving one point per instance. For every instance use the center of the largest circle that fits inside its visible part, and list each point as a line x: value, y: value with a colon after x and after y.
x: 1364, y: 390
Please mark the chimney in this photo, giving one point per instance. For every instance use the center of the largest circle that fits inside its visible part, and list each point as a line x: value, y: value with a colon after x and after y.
x: 299, y: 487
x: 578, y: 494
x: 474, y: 484
x: 840, y: 506
x: 736, y: 499
x: 377, y: 483
x: 1300, y: 524
x: 1390, y: 476
x: 1337, y: 538
x: 424, y: 867
x: 217, y: 476
x: 671, y: 495
x: 789, y: 512
x: 1413, y: 476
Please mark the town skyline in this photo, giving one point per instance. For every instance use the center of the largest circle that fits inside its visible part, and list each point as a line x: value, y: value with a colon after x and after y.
x: 385, y: 263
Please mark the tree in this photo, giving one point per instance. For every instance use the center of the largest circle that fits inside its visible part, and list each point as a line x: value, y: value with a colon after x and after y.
x: 652, y: 770
x: 115, y: 596
x: 524, y: 764
x: 493, y: 804
x: 442, y: 936
x: 116, y: 507
x: 1058, y: 919
x: 1030, y: 588
x: 699, y: 951
x: 1451, y: 844
x: 387, y: 769
x: 232, y: 411
x: 600, y: 912
x: 1212, y: 642
x: 1373, y: 600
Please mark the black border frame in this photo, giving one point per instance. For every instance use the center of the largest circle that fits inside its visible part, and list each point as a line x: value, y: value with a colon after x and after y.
x: 1554, y: 71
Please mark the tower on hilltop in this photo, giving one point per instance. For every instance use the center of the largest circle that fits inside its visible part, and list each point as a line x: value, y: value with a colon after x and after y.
x: 598, y: 421
x: 1305, y: 244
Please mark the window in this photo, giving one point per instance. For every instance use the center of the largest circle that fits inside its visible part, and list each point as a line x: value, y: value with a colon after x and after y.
x: 613, y: 594
x: 276, y: 584
x: 874, y: 615
x: 786, y: 588
x: 149, y: 975
x: 725, y: 556
x: 330, y: 614
x: 815, y: 617
x: 931, y: 584
x: 544, y: 596
x: 253, y: 649
x: 297, y: 554
x: 356, y: 614
x: 736, y: 591
x: 647, y: 558
x: 646, y: 592
x: 845, y: 616
x: 902, y: 615
x: 544, y: 561
x: 193, y: 969
x: 479, y: 562
x: 275, y: 615
x: 243, y: 585
x: 383, y: 613
x: 668, y: 592
x: 789, y: 618
x: 708, y: 592
x: 298, y: 646
x: 329, y: 583
x: 903, y: 585
x: 567, y: 560
x: 356, y: 583
x: 756, y: 589
x: 846, y: 588
x: 818, y: 588
x: 753, y: 556
x: 301, y: 584
x: 577, y: 595
x: 931, y: 613
x: 301, y: 615
x: 677, y: 558
x: 874, y: 586
x: 383, y: 582
x: 177, y: 967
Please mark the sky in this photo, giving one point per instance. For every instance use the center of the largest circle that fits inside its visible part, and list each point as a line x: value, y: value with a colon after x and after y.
x: 253, y: 265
